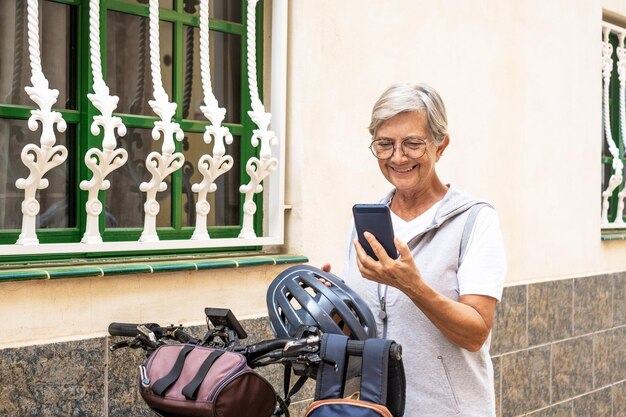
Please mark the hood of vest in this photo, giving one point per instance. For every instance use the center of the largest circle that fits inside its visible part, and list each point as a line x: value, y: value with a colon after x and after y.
x: 453, y: 203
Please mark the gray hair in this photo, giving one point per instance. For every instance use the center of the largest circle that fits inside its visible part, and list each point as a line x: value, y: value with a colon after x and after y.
x: 401, y: 98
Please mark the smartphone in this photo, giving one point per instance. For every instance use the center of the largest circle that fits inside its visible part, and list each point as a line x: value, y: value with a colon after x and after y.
x: 376, y: 219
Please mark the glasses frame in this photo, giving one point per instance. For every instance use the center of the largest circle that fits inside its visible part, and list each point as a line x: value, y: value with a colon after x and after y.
x: 401, y: 148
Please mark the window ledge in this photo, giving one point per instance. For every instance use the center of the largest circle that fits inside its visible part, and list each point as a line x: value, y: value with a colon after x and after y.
x: 101, y: 269
x: 617, y: 233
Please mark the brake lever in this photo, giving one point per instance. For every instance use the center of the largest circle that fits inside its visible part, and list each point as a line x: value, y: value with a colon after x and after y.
x: 119, y: 345
x: 148, y: 334
x: 301, y: 347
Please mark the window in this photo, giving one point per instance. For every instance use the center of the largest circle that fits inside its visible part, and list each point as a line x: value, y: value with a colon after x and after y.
x: 128, y: 71
x: 613, y: 158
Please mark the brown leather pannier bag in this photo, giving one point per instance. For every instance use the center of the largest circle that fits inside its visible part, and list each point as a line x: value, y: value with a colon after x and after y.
x: 188, y: 380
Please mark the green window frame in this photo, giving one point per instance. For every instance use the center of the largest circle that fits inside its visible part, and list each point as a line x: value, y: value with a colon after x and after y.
x: 618, y: 138
x: 79, y: 119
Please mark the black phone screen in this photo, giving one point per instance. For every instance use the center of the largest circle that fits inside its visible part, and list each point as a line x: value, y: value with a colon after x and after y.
x: 376, y: 219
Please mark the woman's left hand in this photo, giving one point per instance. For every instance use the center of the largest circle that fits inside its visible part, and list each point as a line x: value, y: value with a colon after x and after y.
x: 401, y: 273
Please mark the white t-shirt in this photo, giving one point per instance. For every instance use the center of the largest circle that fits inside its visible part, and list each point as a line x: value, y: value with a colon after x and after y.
x: 484, y: 263
x: 484, y: 255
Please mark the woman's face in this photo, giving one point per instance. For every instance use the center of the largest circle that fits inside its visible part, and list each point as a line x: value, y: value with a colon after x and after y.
x: 405, y: 173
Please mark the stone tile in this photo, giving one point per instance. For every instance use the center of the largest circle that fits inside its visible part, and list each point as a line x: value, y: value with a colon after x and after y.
x: 603, y: 358
x: 549, y: 311
x: 593, y: 310
x: 124, y: 398
x: 619, y: 298
x: 60, y: 379
x: 497, y: 378
x: 596, y: 404
x: 609, y: 351
x: 618, y: 395
x: 525, y: 381
x: 619, y: 358
x: 572, y: 368
x: 558, y: 410
x: 297, y: 409
x: 510, y: 330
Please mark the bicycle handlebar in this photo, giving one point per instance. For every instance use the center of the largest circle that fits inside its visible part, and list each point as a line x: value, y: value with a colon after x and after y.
x: 125, y: 329
x: 251, y: 352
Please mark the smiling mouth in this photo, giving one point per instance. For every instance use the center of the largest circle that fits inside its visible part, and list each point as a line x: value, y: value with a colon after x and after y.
x: 404, y: 170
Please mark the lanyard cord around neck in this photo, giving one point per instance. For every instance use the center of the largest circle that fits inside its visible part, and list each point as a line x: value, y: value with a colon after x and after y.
x: 382, y: 299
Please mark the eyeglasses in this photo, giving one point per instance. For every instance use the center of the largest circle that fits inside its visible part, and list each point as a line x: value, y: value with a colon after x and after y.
x: 385, y: 148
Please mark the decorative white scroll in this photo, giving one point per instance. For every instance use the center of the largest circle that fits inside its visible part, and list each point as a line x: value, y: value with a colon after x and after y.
x: 617, y: 165
x: 210, y: 166
x: 160, y: 165
x: 38, y: 159
x: 257, y: 168
x: 100, y: 162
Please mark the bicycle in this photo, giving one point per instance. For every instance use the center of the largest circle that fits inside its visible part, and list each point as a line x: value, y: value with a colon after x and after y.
x: 300, y: 355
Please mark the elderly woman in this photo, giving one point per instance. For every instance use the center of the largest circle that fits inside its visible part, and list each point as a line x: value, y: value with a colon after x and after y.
x: 438, y: 298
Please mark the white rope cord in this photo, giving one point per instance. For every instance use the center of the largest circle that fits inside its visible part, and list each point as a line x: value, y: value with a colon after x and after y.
x: 38, y: 159
x: 617, y: 165
x: 210, y: 166
x: 155, y: 50
x: 160, y: 165
x: 100, y: 162
x: 257, y: 168
x: 33, y: 36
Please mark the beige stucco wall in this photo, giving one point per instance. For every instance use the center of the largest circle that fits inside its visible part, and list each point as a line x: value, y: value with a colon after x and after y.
x: 521, y: 80
x: 522, y: 84
x: 45, y: 311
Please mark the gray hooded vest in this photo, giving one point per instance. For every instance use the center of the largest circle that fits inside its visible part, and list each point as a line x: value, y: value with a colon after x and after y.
x: 442, y: 379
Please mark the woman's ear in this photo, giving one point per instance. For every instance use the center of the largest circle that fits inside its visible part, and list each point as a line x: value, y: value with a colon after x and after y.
x: 442, y: 147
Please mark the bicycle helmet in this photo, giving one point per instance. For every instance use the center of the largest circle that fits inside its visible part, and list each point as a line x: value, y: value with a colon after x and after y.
x: 296, y: 298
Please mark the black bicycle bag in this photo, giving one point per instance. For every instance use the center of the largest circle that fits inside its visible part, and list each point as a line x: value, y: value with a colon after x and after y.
x: 382, y: 385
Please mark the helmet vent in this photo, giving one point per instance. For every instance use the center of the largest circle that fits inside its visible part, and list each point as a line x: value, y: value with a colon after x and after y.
x: 295, y: 304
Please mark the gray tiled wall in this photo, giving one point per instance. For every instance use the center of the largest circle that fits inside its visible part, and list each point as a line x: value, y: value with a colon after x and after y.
x: 559, y: 350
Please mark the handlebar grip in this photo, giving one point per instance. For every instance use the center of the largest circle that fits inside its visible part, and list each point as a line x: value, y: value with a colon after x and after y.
x: 123, y: 329
x: 184, y: 337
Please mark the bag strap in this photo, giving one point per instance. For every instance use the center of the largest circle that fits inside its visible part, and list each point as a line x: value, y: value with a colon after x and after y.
x: 374, y: 369
x: 164, y: 383
x: 190, y: 391
x: 286, y: 383
x: 469, y: 227
x: 332, y: 369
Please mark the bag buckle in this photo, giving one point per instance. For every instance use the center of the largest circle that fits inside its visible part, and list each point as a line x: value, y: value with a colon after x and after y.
x: 143, y: 375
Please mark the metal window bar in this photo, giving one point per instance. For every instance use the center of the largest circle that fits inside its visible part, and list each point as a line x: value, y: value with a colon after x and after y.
x: 273, y: 179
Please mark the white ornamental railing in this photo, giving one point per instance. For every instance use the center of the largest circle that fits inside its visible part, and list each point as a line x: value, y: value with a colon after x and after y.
x: 617, y: 165
x: 160, y: 165
x: 210, y: 166
x: 266, y: 172
x: 100, y: 162
x: 257, y: 168
x: 38, y: 159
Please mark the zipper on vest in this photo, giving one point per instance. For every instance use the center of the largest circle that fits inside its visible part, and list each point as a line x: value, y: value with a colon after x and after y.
x: 449, y: 381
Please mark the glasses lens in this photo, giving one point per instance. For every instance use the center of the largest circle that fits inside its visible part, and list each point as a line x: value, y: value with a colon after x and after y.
x: 413, y: 148
x: 382, y: 149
